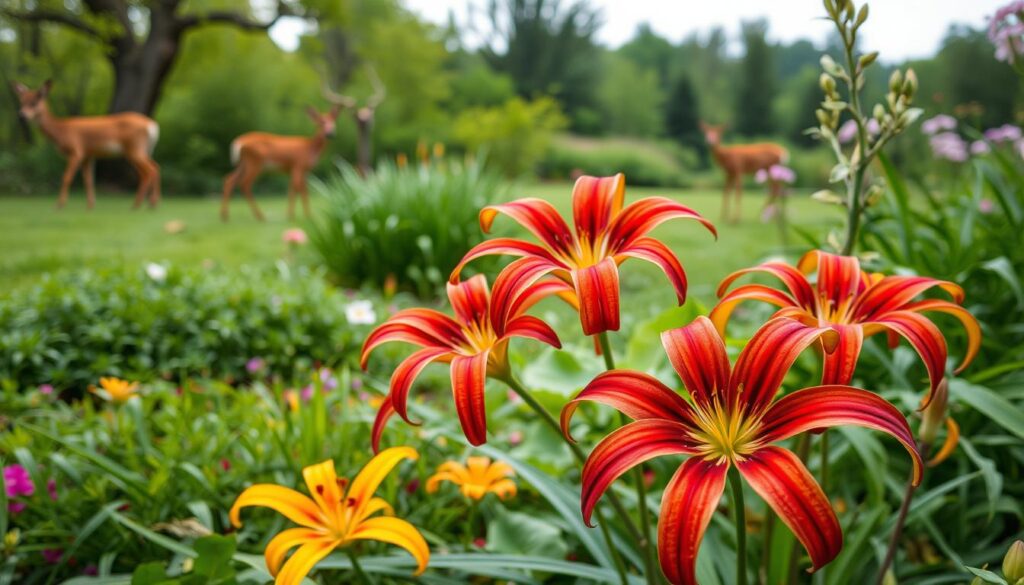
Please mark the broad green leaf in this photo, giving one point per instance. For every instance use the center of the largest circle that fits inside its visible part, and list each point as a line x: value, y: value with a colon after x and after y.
x: 992, y: 478
x: 987, y: 576
x: 522, y: 534
x: 1000, y: 410
x: 152, y: 573
x: 214, y: 560
x: 643, y: 350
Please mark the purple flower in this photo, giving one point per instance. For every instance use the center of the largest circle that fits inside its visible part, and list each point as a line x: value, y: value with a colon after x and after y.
x: 307, y: 393
x: 848, y: 131
x: 51, y: 488
x: 16, y: 507
x: 46, y: 389
x: 1004, y: 133
x: 255, y: 365
x: 949, y: 146
x: 986, y: 206
x: 52, y: 555
x: 980, y: 147
x: 776, y: 173
x: 357, y: 383
x: 328, y: 380
x: 91, y: 570
x: 1006, y: 29
x: 939, y: 123
x: 18, y: 481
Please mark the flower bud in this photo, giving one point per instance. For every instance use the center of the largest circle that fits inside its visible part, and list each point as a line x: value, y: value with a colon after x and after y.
x: 910, y: 83
x: 866, y: 60
x: 830, y: 66
x: 1013, y: 562
x: 827, y: 83
x: 896, y: 81
x: 862, y: 15
x: 879, y: 112
x: 934, y: 416
x: 823, y: 117
x: 848, y: 16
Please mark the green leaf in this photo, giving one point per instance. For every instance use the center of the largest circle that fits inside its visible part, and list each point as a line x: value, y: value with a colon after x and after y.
x: 521, y: 534
x: 643, y: 350
x: 987, y: 576
x: 992, y: 478
x: 1002, y: 412
x: 214, y: 560
x: 150, y: 574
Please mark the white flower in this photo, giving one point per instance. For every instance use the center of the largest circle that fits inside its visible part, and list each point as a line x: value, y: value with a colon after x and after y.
x: 360, y: 313
x: 158, y: 272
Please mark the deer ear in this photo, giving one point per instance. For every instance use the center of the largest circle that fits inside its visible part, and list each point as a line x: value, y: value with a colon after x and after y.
x: 45, y: 89
x: 19, y: 88
x: 335, y: 110
x: 312, y: 113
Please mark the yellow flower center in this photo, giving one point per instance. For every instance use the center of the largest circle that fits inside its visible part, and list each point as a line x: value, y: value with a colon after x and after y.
x: 726, y: 433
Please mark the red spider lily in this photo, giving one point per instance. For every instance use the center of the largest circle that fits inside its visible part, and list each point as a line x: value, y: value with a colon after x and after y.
x: 588, y: 259
x: 732, y: 421
x: 475, y: 343
x: 857, y: 305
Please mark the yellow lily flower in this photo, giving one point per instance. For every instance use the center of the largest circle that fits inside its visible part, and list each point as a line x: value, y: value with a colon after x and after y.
x: 476, y: 479
x: 115, y: 389
x: 336, y: 515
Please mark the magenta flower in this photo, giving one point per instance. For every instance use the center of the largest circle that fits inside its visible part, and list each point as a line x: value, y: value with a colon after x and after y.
x: 255, y: 365
x: 18, y: 481
x: 52, y: 556
x: 1004, y: 133
x: 848, y: 131
x: 46, y: 389
x: 51, y: 488
x: 16, y: 507
x: 979, y: 147
x: 1006, y: 31
x: 940, y: 123
x: 295, y: 236
x: 328, y: 380
x: 949, y: 146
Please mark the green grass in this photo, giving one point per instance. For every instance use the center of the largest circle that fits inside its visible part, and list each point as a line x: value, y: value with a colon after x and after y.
x: 38, y: 239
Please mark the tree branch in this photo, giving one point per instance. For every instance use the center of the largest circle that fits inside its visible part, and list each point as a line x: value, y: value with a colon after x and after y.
x: 236, y: 19
x: 42, y: 15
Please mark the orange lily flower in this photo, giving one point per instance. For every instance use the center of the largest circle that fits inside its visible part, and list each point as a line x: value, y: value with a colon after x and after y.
x: 475, y: 343
x: 115, y: 389
x: 934, y: 416
x: 338, y: 514
x: 476, y: 478
x: 732, y: 421
x: 857, y: 305
x: 606, y: 235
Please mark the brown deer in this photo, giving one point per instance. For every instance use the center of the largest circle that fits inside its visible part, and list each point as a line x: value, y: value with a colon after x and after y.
x: 295, y: 155
x: 83, y: 139
x: 363, y: 117
x: 739, y: 160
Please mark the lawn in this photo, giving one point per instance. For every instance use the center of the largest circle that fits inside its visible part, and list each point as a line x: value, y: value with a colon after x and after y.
x: 38, y: 239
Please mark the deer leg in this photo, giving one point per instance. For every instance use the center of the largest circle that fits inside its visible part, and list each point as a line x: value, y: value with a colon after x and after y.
x: 229, y: 187
x: 88, y: 175
x: 145, y: 179
x: 251, y: 172
x: 154, y: 194
x: 305, y: 196
x: 74, y: 161
x: 738, y: 205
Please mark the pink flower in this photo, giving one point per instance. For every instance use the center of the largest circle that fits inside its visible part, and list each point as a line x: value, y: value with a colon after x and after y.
x: 515, y: 437
x: 52, y: 556
x: 980, y: 147
x: 1006, y: 29
x: 18, y: 481
x: 46, y: 389
x: 776, y: 173
x: 16, y: 507
x: 949, y: 146
x: 328, y: 380
x: 51, y: 488
x: 480, y: 542
x: 357, y: 383
x: 939, y: 123
x: 91, y: 570
x: 295, y: 236
x: 848, y: 131
x: 255, y: 365
x: 986, y: 206
x: 307, y: 393
x: 1004, y: 133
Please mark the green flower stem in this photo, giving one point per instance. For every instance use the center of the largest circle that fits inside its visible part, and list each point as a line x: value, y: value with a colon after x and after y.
x: 854, y: 191
x: 581, y: 457
x: 739, y: 514
x: 360, y: 573
x: 901, y: 520
x: 646, y: 549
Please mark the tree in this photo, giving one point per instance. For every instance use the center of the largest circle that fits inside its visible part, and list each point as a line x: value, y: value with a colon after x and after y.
x: 682, y: 115
x: 140, y: 53
x: 975, y: 76
x: 756, y: 90
x: 630, y: 98
x: 649, y: 50
x: 546, y: 48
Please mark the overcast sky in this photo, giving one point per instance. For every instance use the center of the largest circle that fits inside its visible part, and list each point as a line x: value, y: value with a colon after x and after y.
x: 900, y: 29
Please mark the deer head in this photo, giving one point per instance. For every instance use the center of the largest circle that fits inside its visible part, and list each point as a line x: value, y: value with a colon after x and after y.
x: 366, y: 111
x: 325, y: 122
x: 32, y: 103
x: 712, y: 133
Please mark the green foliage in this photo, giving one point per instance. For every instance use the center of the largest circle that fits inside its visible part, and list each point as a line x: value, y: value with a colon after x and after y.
x: 630, y: 98
x: 514, y: 135
x: 76, y: 326
x: 682, y: 116
x: 643, y: 162
x: 410, y: 224
x: 757, y: 82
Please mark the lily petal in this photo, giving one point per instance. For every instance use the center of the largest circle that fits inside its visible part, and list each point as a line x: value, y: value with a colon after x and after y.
x: 893, y: 293
x: 533, y: 328
x: 689, y: 502
x: 949, y: 445
x: 279, y: 546
x: 407, y: 372
x: 839, y: 277
x: 841, y: 363
x: 595, y: 201
x: 828, y: 406
x: 424, y: 327
x: 470, y: 299
x: 625, y: 448
x: 968, y: 320
x: 539, y: 217
x: 386, y: 410
x: 597, y: 287
x: 304, y: 559
x: 397, y: 532
x: 794, y: 281
x: 766, y: 359
x: 925, y: 338
x: 635, y: 394
x: 469, y: 375
x: 293, y: 505
x: 322, y: 481
x: 374, y: 472
x: 697, y: 353
x: 642, y: 216
x: 749, y: 292
x: 516, y: 290
x: 506, y: 247
x: 779, y: 477
x: 659, y: 254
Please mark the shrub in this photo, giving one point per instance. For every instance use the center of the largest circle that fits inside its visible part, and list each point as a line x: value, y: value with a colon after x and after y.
x: 73, y: 327
x: 645, y: 163
x: 514, y: 135
x: 409, y: 224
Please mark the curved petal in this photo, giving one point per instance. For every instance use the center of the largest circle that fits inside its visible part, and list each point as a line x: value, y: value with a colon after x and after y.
x: 893, y: 293
x: 625, y: 448
x: 597, y: 288
x: 968, y: 320
x: 697, y: 354
x: 386, y: 410
x: 779, y: 477
x: 517, y: 289
x: 470, y: 299
x: 406, y: 373
x: 469, y: 375
x: 434, y: 481
x: 397, y: 532
x: 539, y: 217
x: 533, y: 328
x: 642, y: 216
x: 374, y: 472
x: 507, y: 247
x: 304, y: 559
x: 766, y: 359
x: 279, y: 546
x: 503, y: 488
x: 839, y: 277
x: 322, y: 481
x: 293, y: 505
x: 659, y: 254
x: 949, y: 445
x: 841, y: 363
x: 794, y: 281
x: 635, y: 394
x: 424, y: 327
x: 595, y: 201
x: 689, y: 502
x: 372, y: 507
x: 749, y: 292
x: 925, y: 338
x: 828, y: 406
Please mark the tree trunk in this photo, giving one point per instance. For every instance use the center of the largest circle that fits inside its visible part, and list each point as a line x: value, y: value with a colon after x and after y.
x: 140, y: 70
